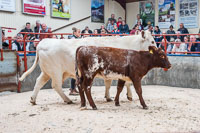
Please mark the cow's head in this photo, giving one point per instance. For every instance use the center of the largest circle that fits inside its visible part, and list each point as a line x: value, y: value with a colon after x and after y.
x: 147, y: 39
x: 159, y: 57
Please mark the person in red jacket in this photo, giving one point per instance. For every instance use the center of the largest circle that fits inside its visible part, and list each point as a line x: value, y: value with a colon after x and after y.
x: 119, y: 22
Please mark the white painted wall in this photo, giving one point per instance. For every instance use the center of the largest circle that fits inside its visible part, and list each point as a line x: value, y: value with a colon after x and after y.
x: 79, y: 10
x: 133, y: 10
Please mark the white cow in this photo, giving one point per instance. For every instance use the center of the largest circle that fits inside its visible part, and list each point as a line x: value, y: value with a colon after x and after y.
x: 57, y: 59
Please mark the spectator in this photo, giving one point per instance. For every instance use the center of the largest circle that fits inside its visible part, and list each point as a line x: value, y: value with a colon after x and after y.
x: 119, y: 22
x: 140, y: 25
x: 37, y: 28
x: 112, y: 18
x: 5, y: 43
x: 103, y: 31
x: 186, y: 41
x: 193, y: 47
x: 171, y: 31
x: 86, y: 32
x: 27, y: 29
x: 95, y: 32
x: 135, y: 29
x: 17, y: 44
x: 102, y: 27
x: 110, y: 26
x: 179, y: 47
x: 157, y: 38
x: 150, y: 28
x: 162, y: 45
x: 76, y: 35
x: 115, y: 30
x: 45, y: 30
x: 138, y: 19
x: 183, y: 30
x: 86, y: 29
x: 123, y: 28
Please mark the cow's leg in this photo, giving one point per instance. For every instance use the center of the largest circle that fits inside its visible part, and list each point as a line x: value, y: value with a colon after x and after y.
x: 129, y: 93
x: 40, y: 82
x: 87, y: 84
x: 138, y: 89
x: 107, y: 91
x: 81, y: 91
x: 120, y: 86
x: 57, y: 85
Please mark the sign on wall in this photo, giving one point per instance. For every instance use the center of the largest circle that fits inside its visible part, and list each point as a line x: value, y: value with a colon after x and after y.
x: 35, y: 7
x: 188, y: 13
x: 166, y: 13
x: 60, y: 8
x: 97, y: 11
x: 8, y: 5
x: 147, y: 12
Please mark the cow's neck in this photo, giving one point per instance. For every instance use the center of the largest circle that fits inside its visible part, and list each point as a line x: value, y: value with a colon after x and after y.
x: 147, y: 61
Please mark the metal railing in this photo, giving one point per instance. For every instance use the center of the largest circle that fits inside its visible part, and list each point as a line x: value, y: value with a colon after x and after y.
x: 24, y: 41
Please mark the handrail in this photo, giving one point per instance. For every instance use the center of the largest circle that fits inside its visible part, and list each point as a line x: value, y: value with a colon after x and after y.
x: 8, y: 28
x: 71, y: 24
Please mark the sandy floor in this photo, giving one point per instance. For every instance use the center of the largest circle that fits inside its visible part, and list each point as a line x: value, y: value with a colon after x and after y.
x: 170, y: 110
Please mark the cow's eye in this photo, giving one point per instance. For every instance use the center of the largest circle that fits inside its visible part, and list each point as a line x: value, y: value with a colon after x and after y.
x: 152, y: 42
x: 162, y: 56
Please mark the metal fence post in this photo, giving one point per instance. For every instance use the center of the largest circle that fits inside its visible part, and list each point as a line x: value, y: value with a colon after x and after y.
x: 1, y: 38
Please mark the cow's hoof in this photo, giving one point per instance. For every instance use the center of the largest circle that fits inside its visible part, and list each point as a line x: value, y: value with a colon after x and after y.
x: 94, y: 108
x: 83, y: 108
x: 117, y: 104
x: 130, y: 98
x: 33, y: 102
x: 146, y: 108
x: 109, y: 100
x: 70, y: 102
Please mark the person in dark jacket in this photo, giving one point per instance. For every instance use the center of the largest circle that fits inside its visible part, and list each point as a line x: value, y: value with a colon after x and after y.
x: 76, y: 35
x: 123, y: 28
x: 193, y: 47
x: 157, y: 39
x: 37, y: 28
x: 27, y: 29
x: 183, y: 30
x: 171, y: 31
x: 86, y: 29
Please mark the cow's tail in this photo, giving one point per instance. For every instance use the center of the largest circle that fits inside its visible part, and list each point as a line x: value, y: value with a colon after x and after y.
x: 30, y: 69
x: 78, y: 79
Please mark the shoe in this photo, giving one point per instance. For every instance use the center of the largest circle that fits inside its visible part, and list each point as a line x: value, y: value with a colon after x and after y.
x: 73, y: 93
x: 76, y: 91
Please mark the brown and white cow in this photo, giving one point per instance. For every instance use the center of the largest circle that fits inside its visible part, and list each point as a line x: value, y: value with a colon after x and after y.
x: 114, y: 63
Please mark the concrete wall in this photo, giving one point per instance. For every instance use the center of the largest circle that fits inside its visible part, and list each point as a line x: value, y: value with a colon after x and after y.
x: 133, y: 10
x: 185, y: 72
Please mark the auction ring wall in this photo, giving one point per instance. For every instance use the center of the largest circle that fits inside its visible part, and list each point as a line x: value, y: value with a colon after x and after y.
x: 185, y: 72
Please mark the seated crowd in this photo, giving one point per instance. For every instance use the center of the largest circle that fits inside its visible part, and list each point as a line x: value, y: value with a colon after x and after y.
x: 182, y: 43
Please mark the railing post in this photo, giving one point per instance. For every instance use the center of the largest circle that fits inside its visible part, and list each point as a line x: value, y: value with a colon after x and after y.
x: 1, y: 40
x: 1, y: 54
x: 18, y: 69
x: 165, y: 43
x: 10, y: 42
x: 25, y: 57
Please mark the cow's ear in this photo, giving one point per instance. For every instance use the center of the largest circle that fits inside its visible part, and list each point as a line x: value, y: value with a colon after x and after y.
x: 152, y: 49
x: 143, y: 34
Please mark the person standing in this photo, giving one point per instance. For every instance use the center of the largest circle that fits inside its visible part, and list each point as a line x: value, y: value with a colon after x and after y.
x: 76, y: 35
x: 183, y: 30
